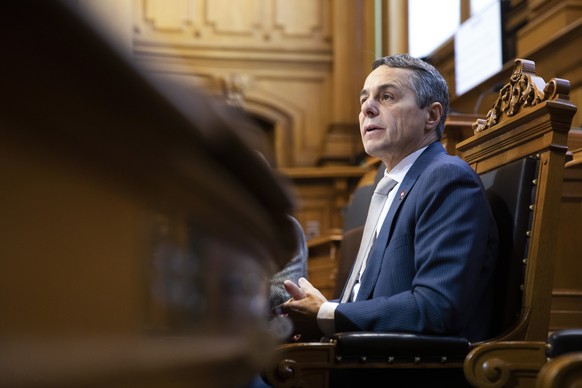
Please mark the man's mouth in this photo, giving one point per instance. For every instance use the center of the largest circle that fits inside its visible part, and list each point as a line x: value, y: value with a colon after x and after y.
x: 371, y: 128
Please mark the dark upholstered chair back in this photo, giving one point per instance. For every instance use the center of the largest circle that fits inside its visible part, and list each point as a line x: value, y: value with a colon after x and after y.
x: 510, y: 190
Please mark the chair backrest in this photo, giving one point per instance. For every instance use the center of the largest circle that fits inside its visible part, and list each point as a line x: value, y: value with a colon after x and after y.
x: 530, y: 120
x: 510, y: 192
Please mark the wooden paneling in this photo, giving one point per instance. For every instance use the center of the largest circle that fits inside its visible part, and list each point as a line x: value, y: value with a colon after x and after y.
x: 323, y: 262
x: 567, y: 294
x: 546, y: 18
x: 322, y: 193
x: 238, y: 25
x: 294, y: 63
x: 275, y: 56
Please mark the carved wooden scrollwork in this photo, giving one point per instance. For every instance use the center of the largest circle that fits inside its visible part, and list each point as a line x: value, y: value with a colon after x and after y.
x: 496, y: 372
x: 496, y: 365
x: 557, y: 88
x: 524, y: 90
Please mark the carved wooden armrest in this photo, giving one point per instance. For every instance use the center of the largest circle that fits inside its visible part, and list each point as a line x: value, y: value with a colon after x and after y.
x: 500, y: 364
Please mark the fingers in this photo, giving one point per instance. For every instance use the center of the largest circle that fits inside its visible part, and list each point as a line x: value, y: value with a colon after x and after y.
x: 308, y: 288
x: 295, y: 291
x: 301, y: 290
x: 305, y: 285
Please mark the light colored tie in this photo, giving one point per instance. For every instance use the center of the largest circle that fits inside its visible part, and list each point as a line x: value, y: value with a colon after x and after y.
x: 380, y: 194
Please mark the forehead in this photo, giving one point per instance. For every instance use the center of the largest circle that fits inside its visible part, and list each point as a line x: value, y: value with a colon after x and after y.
x: 385, y: 75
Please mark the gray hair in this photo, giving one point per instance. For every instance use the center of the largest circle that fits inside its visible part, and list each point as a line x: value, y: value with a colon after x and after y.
x: 427, y: 83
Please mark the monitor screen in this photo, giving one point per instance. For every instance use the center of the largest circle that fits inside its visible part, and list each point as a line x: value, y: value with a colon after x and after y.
x: 478, y: 48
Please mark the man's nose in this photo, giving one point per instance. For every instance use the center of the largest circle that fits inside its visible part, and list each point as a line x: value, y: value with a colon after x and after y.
x: 370, y: 108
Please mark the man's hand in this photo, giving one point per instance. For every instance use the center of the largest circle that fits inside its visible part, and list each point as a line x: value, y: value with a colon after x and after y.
x: 306, y: 299
x: 302, y: 308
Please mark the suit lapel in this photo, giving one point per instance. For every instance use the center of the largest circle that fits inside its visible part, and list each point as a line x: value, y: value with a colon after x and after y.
x: 376, y: 255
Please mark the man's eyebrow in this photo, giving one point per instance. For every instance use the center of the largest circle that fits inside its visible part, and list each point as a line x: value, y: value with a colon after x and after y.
x: 388, y: 85
x: 381, y: 88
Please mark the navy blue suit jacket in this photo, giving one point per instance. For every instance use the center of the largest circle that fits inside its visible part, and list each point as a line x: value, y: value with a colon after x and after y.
x: 430, y: 267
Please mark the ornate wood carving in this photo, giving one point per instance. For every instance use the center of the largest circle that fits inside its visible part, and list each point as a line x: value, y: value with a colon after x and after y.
x: 524, y: 89
x: 495, y: 364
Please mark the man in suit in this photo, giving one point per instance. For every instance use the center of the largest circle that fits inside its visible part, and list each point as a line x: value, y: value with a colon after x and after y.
x: 434, y: 247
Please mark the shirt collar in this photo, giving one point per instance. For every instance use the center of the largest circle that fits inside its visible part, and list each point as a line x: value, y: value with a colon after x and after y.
x: 399, y: 171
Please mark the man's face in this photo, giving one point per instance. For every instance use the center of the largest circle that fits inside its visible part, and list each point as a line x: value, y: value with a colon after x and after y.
x: 391, y: 123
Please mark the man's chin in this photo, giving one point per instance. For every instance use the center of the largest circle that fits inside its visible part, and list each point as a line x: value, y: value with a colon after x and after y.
x: 372, y: 149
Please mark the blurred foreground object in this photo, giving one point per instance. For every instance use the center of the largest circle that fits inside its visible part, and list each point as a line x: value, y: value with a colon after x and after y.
x: 138, y: 232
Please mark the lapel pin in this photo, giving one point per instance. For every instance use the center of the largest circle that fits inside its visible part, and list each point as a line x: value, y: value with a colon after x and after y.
x: 402, y: 194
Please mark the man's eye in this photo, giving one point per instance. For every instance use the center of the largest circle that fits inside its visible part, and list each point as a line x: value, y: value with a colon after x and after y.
x: 363, y: 100
x: 386, y: 97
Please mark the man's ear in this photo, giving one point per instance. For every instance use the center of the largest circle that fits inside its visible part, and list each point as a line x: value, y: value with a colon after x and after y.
x: 435, y: 112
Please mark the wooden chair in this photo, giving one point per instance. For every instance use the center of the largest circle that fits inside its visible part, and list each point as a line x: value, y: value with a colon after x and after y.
x: 525, y: 132
x: 554, y: 363
x: 526, y: 363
